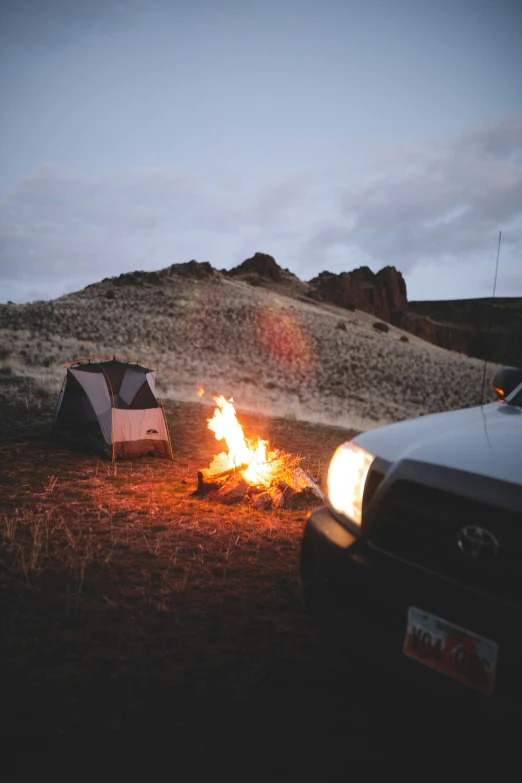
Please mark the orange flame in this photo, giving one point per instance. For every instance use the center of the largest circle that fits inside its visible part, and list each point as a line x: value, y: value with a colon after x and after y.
x: 201, y: 391
x: 225, y: 426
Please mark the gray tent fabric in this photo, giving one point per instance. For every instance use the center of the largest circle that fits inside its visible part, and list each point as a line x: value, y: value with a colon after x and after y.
x: 95, y: 387
x: 111, y: 405
x: 130, y: 385
x: 105, y: 420
x: 151, y: 380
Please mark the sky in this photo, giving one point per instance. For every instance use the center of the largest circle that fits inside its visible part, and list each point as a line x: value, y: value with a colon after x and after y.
x: 330, y: 134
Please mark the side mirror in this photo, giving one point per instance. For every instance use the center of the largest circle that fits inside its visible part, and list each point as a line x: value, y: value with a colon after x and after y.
x: 506, y: 380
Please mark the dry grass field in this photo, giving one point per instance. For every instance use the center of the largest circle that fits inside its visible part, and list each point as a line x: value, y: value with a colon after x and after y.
x: 164, y: 636
x: 142, y: 627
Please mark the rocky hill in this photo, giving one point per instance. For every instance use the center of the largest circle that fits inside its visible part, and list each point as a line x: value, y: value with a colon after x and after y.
x: 473, y: 327
x: 256, y: 334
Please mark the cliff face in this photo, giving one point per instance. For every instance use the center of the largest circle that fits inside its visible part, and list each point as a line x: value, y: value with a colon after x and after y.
x: 382, y: 294
x: 464, y: 326
x: 502, y: 312
x: 459, y: 325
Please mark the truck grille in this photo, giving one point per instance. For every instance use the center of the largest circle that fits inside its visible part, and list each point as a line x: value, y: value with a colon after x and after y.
x: 422, y: 525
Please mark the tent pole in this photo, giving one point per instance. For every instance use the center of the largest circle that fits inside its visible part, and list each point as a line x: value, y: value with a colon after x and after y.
x: 165, y: 420
x: 113, y: 445
x: 60, y: 397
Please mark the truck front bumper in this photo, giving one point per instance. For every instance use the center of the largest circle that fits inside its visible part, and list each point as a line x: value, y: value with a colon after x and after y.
x: 364, y: 596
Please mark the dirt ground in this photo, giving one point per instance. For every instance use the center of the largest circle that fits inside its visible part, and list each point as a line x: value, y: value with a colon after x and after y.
x: 149, y: 633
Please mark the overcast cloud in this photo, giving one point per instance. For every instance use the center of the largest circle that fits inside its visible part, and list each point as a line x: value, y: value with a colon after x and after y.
x: 444, y: 203
x: 136, y: 135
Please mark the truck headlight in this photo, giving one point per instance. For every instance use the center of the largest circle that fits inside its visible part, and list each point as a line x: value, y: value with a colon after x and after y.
x: 346, y: 479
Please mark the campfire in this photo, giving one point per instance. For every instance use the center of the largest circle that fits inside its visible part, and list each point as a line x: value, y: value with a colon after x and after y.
x: 268, y: 478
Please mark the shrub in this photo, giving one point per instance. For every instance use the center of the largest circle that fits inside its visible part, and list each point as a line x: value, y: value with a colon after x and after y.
x: 379, y: 326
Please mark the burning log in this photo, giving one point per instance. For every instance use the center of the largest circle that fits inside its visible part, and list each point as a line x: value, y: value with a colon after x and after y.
x: 232, y: 491
x: 205, y: 484
x: 286, y: 489
x: 302, y: 481
x: 209, y: 476
x: 208, y: 481
x: 304, y: 499
x: 262, y: 502
x: 276, y: 496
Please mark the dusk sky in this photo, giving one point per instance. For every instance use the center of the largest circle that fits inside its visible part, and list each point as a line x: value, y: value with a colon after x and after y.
x: 328, y: 133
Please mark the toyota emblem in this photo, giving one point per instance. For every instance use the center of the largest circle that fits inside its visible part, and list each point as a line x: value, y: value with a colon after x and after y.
x: 477, y: 543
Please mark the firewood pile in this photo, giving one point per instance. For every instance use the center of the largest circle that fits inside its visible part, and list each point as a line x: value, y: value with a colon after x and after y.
x: 295, y: 491
x: 251, y: 470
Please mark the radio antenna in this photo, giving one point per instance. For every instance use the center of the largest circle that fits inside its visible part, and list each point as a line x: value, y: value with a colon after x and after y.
x: 488, y: 342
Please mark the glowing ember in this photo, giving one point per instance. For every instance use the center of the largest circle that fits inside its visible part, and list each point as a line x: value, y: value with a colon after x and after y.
x: 201, y: 391
x: 241, y: 452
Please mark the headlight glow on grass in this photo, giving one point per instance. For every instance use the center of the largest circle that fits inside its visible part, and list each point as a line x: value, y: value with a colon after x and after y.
x: 346, y: 479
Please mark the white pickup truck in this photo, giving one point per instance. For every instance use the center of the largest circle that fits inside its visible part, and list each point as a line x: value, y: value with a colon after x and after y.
x: 417, y: 555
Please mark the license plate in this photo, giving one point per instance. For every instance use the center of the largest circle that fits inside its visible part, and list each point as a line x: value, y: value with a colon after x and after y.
x: 455, y: 652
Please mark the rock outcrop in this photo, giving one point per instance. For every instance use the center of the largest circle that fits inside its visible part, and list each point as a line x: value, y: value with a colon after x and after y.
x: 193, y: 269
x: 260, y: 264
x: 382, y: 294
x: 263, y: 270
x: 198, y: 270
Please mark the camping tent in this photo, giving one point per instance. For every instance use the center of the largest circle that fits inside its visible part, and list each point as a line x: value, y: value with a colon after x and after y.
x: 110, y: 404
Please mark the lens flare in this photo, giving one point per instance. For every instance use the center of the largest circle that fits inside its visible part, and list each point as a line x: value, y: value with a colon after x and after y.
x: 284, y: 340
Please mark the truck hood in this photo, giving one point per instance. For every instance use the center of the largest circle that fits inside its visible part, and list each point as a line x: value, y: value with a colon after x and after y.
x: 486, y: 440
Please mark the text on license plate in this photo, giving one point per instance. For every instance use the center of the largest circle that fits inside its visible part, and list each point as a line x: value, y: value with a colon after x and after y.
x: 458, y: 653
